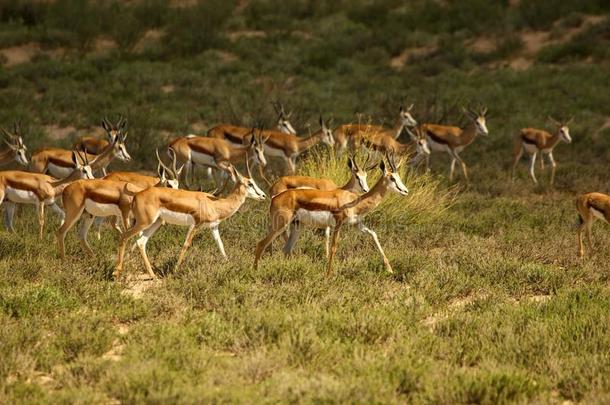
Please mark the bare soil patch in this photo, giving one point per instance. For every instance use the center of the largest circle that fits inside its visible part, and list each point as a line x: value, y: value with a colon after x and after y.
x: 148, y: 40
x: 17, y: 55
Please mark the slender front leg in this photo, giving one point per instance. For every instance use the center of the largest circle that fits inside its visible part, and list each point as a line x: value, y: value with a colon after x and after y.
x: 218, y: 240
x: 9, y: 215
x: 295, y: 231
x: 581, y: 227
x: 327, y: 241
x: 291, y: 163
x: 589, y: 224
x: 516, y: 159
x: 333, y: 249
x: 41, y: 218
x: 84, y: 230
x: 532, y: 165
x: 386, y: 262
x: 190, y: 234
x: 553, y: 168
x: 143, y: 240
x: 453, y: 160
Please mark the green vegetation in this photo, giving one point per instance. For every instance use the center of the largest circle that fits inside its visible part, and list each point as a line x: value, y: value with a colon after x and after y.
x: 488, y: 303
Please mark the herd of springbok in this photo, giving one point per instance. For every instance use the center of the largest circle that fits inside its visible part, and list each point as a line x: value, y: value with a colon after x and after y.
x: 138, y: 204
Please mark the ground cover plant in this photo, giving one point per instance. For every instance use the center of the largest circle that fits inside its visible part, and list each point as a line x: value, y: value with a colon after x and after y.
x: 488, y: 303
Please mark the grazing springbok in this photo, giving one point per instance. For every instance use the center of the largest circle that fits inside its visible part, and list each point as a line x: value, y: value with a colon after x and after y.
x: 323, y: 208
x: 590, y: 206
x: 107, y: 197
x: 218, y: 153
x: 59, y: 163
x: 16, y: 151
x: 95, y: 145
x: 453, y: 140
x: 17, y: 187
x: 153, y: 206
x: 343, y: 133
x: 357, y: 184
x: 533, y: 141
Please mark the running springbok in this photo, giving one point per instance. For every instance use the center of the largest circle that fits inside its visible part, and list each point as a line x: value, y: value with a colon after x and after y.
x: 357, y: 184
x: 533, y: 141
x: 108, y: 197
x: 453, y: 140
x: 16, y: 151
x: 194, y: 209
x: 18, y: 187
x: 95, y: 145
x: 58, y: 162
x: 590, y: 207
x: 217, y: 153
x: 343, y: 133
x: 334, y: 208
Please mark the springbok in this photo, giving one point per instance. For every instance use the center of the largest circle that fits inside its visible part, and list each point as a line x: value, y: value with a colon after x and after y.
x: 290, y: 147
x: 18, y: 187
x: 343, y: 133
x: 320, y: 208
x: 453, y: 140
x: 16, y: 151
x: 107, y: 197
x: 217, y: 153
x: 383, y: 142
x: 58, y: 162
x: 533, y: 141
x: 590, y: 206
x: 153, y: 206
x: 357, y: 184
x: 235, y: 134
x: 95, y: 145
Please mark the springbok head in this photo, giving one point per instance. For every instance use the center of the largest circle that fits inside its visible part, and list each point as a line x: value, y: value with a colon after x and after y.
x: 420, y: 140
x: 256, y: 143
x: 360, y: 171
x: 479, y: 118
x: 252, y: 189
x: 562, y: 127
x: 15, y: 142
x: 168, y: 176
x: 406, y: 118
x: 283, y: 122
x: 391, y: 176
x: 114, y: 131
x: 328, y: 137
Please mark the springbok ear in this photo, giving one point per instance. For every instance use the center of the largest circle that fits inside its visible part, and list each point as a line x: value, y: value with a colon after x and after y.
x: 350, y: 163
x: 382, y: 166
x: 248, y: 139
x: 410, y: 107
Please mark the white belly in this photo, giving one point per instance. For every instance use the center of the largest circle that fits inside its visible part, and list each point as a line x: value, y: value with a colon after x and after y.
x: 315, y: 219
x: 176, y: 218
x: 202, y: 159
x: 20, y: 196
x: 59, y: 171
x: 597, y: 214
x: 274, y: 152
x: 530, y: 148
x: 101, y: 210
x: 437, y: 147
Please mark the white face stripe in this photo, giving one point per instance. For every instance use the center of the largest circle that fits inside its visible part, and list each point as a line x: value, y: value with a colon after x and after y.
x: 361, y: 177
x: 481, y: 125
x: 565, y: 134
x: 397, y: 185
